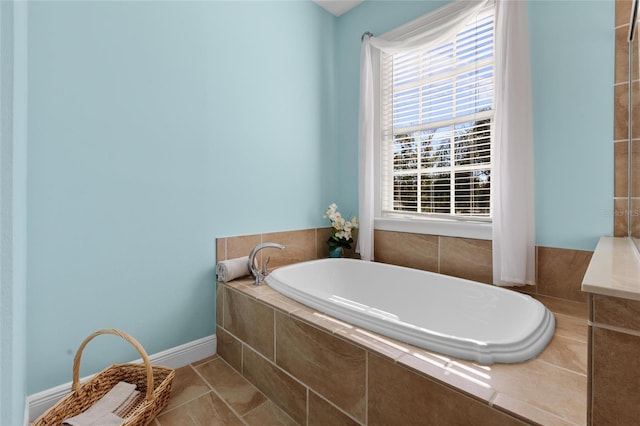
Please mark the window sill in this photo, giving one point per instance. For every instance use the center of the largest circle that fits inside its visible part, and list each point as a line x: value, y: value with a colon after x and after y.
x: 443, y: 227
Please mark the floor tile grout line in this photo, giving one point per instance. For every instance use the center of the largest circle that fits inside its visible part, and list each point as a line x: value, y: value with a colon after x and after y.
x: 350, y: 416
x: 306, y: 420
x: 544, y: 410
x: 267, y: 399
x: 163, y: 412
x: 189, y: 400
x: 493, y: 398
x: 586, y: 342
x: 366, y: 387
x: 242, y: 345
x: 264, y: 357
x: 285, y: 372
x: 562, y: 368
x: 282, y: 370
x: 214, y: 391
x: 564, y: 336
x: 570, y: 316
x: 242, y: 349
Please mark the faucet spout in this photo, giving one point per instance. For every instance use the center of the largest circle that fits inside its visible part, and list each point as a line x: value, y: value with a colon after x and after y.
x: 255, y: 271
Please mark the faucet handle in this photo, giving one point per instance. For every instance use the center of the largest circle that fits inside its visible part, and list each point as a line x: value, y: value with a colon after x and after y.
x: 253, y: 266
x: 264, y: 267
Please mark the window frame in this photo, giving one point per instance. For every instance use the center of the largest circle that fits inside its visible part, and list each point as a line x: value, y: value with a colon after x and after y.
x: 467, y: 227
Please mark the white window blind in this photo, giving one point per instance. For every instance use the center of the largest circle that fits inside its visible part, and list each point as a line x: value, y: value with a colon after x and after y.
x: 437, y: 113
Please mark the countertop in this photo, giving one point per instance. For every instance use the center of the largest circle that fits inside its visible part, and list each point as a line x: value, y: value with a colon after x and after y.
x: 614, y: 269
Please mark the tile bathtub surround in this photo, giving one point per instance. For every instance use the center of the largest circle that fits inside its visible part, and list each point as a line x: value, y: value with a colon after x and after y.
x: 285, y: 391
x: 621, y: 117
x: 300, y: 245
x: 615, y: 390
x: 617, y: 312
x: 621, y: 159
x: 250, y: 320
x: 327, y: 369
x: 398, y: 395
x: 615, y: 366
x: 404, y: 249
x: 466, y: 258
x: 559, y: 271
x: 317, y: 359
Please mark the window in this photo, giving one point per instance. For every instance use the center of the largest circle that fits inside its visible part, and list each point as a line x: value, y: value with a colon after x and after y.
x: 436, y: 127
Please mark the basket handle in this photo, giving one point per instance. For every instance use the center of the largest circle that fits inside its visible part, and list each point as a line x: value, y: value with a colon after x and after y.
x: 125, y: 336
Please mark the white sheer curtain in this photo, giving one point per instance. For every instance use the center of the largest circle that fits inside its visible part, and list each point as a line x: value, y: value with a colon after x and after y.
x: 366, y: 185
x: 512, y: 181
x: 438, y: 27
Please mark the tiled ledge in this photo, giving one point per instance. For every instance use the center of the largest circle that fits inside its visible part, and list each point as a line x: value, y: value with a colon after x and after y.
x: 559, y: 272
x: 614, y: 269
x: 549, y: 390
x: 613, y: 283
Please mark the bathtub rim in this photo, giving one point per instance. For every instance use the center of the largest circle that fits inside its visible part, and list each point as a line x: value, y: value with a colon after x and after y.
x: 522, y: 350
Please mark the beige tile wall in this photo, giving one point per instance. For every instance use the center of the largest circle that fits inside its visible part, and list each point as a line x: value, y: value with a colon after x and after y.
x: 331, y: 366
x: 614, y: 334
x: 301, y: 245
x: 395, y: 391
x: 614, y: 364
x: 621, y: 121
x: 559, y: 271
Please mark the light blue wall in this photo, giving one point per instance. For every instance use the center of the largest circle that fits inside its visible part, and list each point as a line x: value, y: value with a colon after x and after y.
x: 572, y: 55
x: 13, y: 370
x: 155, y: 127
x: 13, y: 181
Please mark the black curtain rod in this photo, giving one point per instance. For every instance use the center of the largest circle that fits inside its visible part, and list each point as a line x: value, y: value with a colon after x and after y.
x: 634, y: 19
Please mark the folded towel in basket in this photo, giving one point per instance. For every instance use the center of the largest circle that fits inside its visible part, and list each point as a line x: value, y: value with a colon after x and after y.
x: 94, y: 419
x: 128, y: 404
x: 107, y: 410
x: 231, y: 269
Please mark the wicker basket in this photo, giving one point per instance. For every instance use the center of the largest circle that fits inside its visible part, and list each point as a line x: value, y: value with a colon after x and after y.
x: 150, y: 402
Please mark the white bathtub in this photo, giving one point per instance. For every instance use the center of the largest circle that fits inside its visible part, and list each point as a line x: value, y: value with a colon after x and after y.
x: 444, y: 314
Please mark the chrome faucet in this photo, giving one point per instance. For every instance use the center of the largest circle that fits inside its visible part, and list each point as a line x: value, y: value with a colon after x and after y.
x: 255, y: 271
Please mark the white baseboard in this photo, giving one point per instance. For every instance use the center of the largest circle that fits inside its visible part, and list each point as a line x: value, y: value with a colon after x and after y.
x: 177, y: 357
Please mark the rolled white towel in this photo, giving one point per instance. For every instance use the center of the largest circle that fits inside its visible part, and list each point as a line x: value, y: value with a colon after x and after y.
x: 231, y: 269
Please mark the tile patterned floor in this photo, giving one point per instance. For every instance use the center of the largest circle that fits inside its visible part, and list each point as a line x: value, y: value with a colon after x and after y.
x: 210, y: 392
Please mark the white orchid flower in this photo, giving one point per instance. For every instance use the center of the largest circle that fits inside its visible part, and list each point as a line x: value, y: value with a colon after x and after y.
x: 341, y: 226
